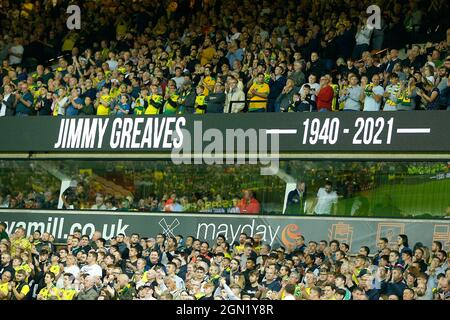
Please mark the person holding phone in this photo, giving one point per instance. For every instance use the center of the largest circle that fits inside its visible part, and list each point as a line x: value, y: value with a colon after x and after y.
x: 7, y: 101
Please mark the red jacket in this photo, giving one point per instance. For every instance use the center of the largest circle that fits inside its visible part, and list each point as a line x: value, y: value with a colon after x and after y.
x: 249, y: 208
x: 324, y: 99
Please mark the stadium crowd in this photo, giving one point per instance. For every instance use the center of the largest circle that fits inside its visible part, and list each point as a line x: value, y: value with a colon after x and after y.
x: 178, y: 268
x: 191, y: 56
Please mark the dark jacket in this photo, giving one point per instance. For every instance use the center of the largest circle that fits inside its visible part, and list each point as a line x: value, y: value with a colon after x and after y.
x: 285, y: 99
x: 388, y: 67
x: 276, y: 87
x: 373, y: 294
x: 296, y: 202
x: 299, y: 78
x: 316, y: 68
x: 90, y: 294
x: 189, y: 100
x: 126, y: 294
x: 396, y: 288
x: 10, y: 105
x: 215, y: 102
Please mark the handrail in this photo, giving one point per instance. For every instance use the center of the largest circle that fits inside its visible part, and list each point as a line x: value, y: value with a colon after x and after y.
x: 246, y: 101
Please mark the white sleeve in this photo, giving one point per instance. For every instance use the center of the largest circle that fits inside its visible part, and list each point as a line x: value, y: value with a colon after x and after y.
x: 335, y: 199
x: 378, y: 90
x: 237, y: 107
x: 99, y: 272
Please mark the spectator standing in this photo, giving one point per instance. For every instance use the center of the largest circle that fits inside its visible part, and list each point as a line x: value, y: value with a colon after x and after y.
x: 215, y: 101
x: 286, y: 96
x: 298, y: 76
x: 362, y: 37
x: 351, y: 95
x: 296, y: 200
x: 324, y: 95
x: 16, y: 52
x: 372, y: 94
x: 276, y: 85
x: 234, y: 94
x: 326, y: 201
x: 248, y: 204
x: 259, y: 91
x: 7, y: 101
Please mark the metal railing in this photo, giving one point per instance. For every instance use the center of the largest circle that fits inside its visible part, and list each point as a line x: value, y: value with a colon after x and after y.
x: 246, y: 102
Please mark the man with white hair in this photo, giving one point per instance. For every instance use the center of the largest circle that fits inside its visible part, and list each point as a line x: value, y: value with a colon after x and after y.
x: 123, y: 288
x: 99, y: 203
x: 92, y: 268
x: 88, y: 291
x: 234, y: 93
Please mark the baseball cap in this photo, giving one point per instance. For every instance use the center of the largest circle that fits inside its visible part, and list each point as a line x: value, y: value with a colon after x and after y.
x: 149, y: 285
x: 398, y: 266
x: 320, y: 255
x: 408, y: 251
x: 363, y: 272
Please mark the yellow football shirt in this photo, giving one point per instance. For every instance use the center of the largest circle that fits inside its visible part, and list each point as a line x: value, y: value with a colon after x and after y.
x: 25, y: 268
x: 50, y: 294
x: 20, y: 243
x: 200, y: 105
x: 170, y: 107
x: 4, y: 289
x: 56, y: 269
x: 210, y: 82
x: 25, y: 289
x: 102, y: 109
x: 261, y: 89
x: 68, y: 294
x: 154, y: 104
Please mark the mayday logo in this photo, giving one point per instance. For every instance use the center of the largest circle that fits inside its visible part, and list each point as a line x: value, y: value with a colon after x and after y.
x: 231, y: 231
x: 168, y: 228
x: 289, y: 234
